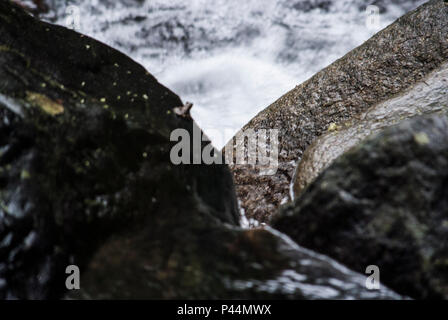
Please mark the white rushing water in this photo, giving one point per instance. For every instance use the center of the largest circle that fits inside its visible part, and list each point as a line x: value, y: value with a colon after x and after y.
x: 231, y: 58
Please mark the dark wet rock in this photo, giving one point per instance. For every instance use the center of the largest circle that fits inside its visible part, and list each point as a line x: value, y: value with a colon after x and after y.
x: 84, y: 151
x: 308, y: 5
x: 86, y: 179
x: 427, y: 96
x: 387, y: 64
x: 216, y: 262
x: 384, y: 203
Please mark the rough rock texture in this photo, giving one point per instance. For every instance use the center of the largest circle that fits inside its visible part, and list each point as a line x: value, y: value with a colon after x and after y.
x: 86, y: 179
x: 388, y: 63
x: 428, y: 96
x: 384, y: 203
x: 209, y: 261
x: 325, y: 5
x: 84, y: 150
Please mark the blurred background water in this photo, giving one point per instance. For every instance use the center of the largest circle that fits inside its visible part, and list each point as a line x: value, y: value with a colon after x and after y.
x: 231, y: 58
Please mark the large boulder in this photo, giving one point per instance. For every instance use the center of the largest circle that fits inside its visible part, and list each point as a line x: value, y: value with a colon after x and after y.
x: 84, y: 150
x: 427, y: 96
x: 86, y: 178
x: 385, y: 65
x: 383, y: 203
x: 209, y: 261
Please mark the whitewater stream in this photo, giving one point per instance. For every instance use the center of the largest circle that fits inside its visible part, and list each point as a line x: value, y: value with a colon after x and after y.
x: 230, y: 58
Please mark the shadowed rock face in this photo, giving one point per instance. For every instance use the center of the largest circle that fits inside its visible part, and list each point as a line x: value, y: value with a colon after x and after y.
x: 84, y: 151
x: 383, y: 203
x: 86, y: 179
x: 387, y: 64
x: 428, y: 96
